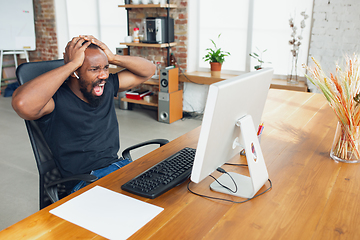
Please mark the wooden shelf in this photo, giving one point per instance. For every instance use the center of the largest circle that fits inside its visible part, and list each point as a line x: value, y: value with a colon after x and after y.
x: 206, y: 79
x: 203, y: 77
x: 282, y: 84
x: 154, y: 45
x: 152, y: 81
x: 142, y: 102
x: 149, y: 6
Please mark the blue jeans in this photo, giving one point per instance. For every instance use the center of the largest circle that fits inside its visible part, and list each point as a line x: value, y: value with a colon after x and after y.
x: 102, y: 172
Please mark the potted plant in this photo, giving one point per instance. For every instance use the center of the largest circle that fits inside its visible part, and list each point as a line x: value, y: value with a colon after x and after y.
x: 258, y: 57
x: 216, y: 57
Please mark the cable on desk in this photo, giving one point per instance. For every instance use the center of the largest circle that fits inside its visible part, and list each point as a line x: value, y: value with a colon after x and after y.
x: 224, y: 199
x: 219, y: 169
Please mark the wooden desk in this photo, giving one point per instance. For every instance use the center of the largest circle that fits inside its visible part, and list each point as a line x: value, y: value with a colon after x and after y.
x: 313, y: 197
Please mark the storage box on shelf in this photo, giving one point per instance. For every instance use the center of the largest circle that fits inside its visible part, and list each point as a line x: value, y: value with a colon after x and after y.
x: 154, y: 98
x: 137, y: 94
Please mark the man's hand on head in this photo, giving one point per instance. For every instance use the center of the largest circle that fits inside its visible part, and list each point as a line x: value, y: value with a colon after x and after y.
x: 102, y: 45
x: 75, y: 51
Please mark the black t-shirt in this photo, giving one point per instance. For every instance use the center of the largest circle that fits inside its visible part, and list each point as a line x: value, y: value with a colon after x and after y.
x: 82, y: 138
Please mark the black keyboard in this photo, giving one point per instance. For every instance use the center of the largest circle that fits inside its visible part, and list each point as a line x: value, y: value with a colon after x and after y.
x: 163, y: 176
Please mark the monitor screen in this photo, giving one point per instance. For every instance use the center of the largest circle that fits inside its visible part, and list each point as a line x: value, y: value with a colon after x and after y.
x: 227, y: 102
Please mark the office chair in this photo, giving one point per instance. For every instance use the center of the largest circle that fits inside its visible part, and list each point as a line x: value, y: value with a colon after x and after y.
x: 51, y: 183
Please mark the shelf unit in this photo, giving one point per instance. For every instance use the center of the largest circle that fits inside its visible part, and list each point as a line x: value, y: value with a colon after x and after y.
x: 167, y: 7
x: 154, y: 45
x: 152, y: 81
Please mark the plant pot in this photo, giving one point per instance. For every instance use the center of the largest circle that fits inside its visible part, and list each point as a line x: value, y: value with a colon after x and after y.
x: 215, y: 69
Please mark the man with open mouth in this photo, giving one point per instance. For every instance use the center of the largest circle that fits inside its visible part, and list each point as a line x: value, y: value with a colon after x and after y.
x: 74, y: 106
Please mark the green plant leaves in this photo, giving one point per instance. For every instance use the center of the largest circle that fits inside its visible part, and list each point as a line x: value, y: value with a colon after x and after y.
x: 216, y: 54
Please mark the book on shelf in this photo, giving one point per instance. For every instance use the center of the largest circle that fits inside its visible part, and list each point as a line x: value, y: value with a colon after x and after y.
x: 138, y: 94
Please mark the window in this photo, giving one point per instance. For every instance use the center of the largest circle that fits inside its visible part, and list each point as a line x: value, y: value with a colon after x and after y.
x: 228, y: 18
x: 271, y: 31
x: 102, y: 19
x: 250, y: 24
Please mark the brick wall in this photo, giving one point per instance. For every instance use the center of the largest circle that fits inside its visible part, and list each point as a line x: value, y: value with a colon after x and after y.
x: 46, y: 40
x: 45, y: 31
x: 335, y: 32
x: 180, y: 31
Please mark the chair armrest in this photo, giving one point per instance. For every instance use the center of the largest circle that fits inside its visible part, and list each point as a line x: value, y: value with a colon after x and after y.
x: 51, y: 188
x: 126, y: 153
x: 81, y: 177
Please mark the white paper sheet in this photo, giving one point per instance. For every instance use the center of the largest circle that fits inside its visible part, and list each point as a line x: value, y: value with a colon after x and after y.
x: 107, y: 213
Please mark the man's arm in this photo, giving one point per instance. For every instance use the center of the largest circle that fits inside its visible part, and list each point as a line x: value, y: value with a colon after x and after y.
x: 33, y: 99
x: 137, y: 69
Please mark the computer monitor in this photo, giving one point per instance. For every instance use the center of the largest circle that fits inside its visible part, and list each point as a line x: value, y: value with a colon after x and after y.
x: 230, y: 122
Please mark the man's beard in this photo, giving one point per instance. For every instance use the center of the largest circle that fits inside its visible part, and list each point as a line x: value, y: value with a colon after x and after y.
x: 94, y: 101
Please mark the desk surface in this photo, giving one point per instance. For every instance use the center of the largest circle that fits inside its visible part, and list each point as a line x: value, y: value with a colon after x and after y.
x: 313, y: 197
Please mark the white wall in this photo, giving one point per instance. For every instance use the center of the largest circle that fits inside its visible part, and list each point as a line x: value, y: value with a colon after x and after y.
x: 102, y: 19
x: 335, y: 32
x: 62, y: 32
x: 194, y: 97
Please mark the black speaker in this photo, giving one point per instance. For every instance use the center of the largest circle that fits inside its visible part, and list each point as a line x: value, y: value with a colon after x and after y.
x: 121, y: 51
x: 169, y: 79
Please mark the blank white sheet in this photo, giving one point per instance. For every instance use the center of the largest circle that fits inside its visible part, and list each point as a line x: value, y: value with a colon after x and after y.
x: 107, y: 213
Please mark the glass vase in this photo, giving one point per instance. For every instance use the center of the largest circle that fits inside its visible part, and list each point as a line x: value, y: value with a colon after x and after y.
x: 292, y: 77
x: 346, y: 145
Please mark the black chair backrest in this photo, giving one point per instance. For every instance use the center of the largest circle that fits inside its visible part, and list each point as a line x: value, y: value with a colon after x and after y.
x: 43, y: 156
x: 30, y: 70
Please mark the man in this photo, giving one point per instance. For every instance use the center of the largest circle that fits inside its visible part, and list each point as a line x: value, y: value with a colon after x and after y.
x: 73, y: 106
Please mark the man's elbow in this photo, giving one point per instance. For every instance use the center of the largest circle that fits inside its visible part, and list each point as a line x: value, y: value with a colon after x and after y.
x: 19, y: 106
x: 151, y: 71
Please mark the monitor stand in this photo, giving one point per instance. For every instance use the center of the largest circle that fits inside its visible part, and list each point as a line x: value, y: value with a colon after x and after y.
x: 247, y: 186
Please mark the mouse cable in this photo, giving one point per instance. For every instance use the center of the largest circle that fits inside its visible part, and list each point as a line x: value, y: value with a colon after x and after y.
x: 228, y: 200
x: 219, y: 169
x: 224, y: 199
